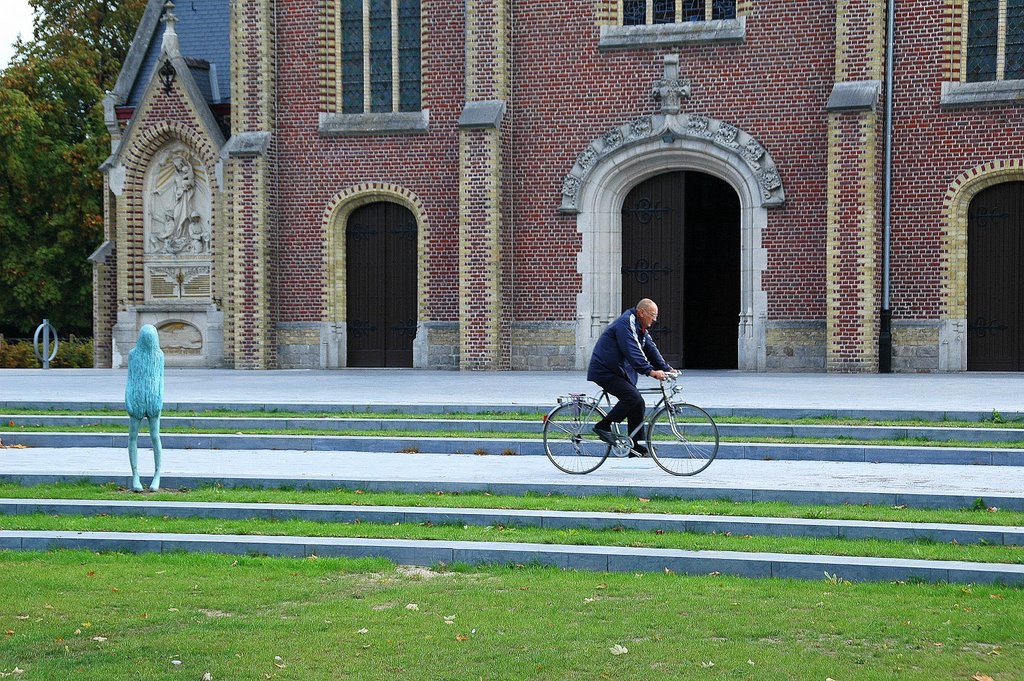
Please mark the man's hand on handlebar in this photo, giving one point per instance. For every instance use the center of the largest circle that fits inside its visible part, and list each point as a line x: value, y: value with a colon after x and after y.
x: 663, y: 375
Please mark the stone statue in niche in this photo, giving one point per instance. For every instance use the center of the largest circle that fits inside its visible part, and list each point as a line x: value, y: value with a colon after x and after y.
x: 177, y: 224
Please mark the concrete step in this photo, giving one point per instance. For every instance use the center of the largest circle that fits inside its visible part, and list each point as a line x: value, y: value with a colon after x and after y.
x: 649, y: 522
x: 754, y: 432
x: 596, y: 558
x: 518, y: 446
x: 537, y: 408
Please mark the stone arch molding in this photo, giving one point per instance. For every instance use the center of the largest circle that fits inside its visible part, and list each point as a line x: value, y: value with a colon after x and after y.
x: 334, y: 335
x: 686, y: 130
x: 610, y: 166
x: 956, y: 206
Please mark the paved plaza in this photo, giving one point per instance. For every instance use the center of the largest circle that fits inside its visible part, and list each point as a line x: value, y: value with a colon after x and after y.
x: 906, y: 393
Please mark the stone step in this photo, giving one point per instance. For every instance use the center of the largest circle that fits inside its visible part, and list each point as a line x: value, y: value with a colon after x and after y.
x: 517, y: 446
x: 596, y: 558
x: 754, y: 432
x: 538, y: 409
x: 648, y: 522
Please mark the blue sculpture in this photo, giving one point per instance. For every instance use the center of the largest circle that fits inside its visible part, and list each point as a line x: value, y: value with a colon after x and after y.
x: 144, y: 398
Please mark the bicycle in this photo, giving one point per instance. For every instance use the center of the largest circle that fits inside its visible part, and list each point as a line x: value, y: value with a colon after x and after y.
x: 681, y: 437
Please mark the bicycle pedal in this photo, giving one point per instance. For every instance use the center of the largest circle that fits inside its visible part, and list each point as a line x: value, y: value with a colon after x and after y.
x: 623, y: 445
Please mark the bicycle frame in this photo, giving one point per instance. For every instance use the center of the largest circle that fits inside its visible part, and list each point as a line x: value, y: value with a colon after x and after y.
x: 663, y: 389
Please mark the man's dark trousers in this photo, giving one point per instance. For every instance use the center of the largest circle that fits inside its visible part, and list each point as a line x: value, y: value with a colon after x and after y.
x: 631, y: 405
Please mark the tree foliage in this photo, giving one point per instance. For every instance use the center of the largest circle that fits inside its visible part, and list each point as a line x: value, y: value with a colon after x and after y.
x: 52, y: 140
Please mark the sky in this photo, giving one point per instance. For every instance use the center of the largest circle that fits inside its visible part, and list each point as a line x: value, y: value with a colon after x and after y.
x: 16, y: 18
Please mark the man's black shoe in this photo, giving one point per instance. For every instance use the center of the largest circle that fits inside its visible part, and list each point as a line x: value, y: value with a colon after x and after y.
x: 605, y: 435
x: 638, y: 450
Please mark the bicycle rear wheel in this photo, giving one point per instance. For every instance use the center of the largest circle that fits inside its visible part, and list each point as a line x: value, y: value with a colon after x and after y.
x: 569, y: 441
x: 683, y: 439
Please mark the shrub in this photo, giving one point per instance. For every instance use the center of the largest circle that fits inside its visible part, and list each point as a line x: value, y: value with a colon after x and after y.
x: 72, y: 353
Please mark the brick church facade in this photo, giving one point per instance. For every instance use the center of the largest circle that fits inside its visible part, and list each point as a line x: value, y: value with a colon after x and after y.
x: 486, y: 184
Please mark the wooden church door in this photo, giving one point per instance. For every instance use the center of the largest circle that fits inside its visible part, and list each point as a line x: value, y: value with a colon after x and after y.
x: 681, y: 248
x: 381, y: 244
x: 995, y: 283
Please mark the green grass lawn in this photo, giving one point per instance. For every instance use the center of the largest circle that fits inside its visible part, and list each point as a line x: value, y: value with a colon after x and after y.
x: 79, y: 615
x: 981, y: 514
x: 501, y: 435
x: 994, y: 421
x: 918, y: 550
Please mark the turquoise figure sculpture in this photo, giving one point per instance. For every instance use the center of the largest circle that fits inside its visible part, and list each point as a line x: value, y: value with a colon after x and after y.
x: 144, y: 398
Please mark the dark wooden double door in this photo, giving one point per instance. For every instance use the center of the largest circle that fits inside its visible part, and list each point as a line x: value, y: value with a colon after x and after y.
x: 681, y: 248
x: 381, y: 244
x: 995, y: 279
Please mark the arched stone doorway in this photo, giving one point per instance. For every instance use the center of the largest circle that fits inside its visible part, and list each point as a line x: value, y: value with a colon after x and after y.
x: 381, y: 252
x: 604, y: 173
x: 995, y: 279
x: 681, y: 248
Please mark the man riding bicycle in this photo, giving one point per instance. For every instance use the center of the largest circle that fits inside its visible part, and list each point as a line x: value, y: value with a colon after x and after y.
x: 623, y: 351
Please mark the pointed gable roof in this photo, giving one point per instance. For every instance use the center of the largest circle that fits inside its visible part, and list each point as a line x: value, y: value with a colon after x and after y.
x: 203, y: 36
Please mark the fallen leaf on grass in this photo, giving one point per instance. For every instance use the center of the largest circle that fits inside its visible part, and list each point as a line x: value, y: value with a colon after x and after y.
x: 707, y: 665
x: 99, y: 639
x: 207, y: 677
x: 461, y: 637
x: 982, y: 677
x: 363, y: 631
x: 618, y: 649
x: 412, y: 606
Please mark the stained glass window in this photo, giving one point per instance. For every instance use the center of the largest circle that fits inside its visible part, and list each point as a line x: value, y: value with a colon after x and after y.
x: 664, y: 11
x: 723, y: 9
x: 982, y: 39
x: 634, y: 12
x: 352, y: 56
x: 378, y: 75
x: 409, y: 55
x: 380, y: 55
x: 1014, y: 67
x: 694, y: 10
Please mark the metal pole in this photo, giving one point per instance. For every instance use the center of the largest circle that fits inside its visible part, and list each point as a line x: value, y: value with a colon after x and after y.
x: 885, y: 332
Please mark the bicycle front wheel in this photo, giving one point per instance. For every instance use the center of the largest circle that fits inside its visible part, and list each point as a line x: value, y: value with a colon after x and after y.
x: 569, y: 441
x: 683, y: 439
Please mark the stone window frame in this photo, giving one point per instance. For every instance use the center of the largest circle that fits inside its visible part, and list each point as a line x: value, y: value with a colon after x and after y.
x: 955, y: 208
x: 598, y: 212
x: 956, y: 90
x: 334, y: 327
x: 615, y: 35
x: 333, y: 121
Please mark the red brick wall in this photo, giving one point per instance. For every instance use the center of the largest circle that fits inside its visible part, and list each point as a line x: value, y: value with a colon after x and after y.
x: 931, y: 147
x: 566, y: 93
x: 314, y: 169
x: 739, y: 84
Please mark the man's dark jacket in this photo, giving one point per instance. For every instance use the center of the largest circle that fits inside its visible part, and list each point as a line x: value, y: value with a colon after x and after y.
x: 625, y: 350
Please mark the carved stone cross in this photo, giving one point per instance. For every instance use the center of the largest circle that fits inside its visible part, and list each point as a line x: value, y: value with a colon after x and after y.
x: 670, y: 90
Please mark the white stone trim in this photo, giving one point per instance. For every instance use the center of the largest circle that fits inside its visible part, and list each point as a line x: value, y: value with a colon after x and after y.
x: 599, y: 220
